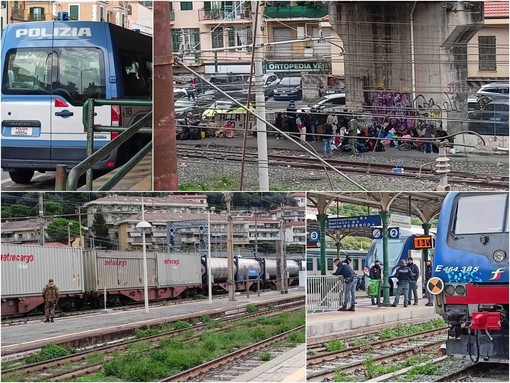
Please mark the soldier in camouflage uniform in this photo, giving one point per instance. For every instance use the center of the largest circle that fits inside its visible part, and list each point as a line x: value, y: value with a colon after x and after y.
x: 50, y: 295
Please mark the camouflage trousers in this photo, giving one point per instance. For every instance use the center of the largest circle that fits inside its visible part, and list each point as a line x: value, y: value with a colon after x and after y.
x: 49, y: 309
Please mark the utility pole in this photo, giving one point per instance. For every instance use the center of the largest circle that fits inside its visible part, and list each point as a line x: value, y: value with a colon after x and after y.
x: 230, y: 250
x: 42, y: 221
x: 164, y: 141
x: 79, y: 222
x: 283, y: 258
x: 260, y: 101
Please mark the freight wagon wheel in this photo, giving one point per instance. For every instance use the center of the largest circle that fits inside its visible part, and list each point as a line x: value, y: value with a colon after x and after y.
x: 21, y: 176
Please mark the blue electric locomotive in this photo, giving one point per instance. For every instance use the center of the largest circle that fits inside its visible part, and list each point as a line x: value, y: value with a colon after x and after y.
x: 470, y: 274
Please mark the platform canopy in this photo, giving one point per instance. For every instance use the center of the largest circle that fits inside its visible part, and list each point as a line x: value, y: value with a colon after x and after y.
x: 425, y: 205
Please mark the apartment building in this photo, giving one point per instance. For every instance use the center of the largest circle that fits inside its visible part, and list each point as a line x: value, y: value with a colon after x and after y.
x: 128, y: 14
x: 199, y: 26
x: 22, y: 231
x: 488, y: 49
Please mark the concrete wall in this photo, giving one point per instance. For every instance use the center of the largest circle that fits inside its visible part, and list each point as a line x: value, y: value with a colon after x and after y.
x: 377, y: 42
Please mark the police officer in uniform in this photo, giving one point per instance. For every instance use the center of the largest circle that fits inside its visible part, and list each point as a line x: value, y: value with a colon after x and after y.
x: 344, y: 269
x: 413, y: 288
x: 403, y: 275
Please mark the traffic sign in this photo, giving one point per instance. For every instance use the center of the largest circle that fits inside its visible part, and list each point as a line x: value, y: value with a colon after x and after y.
x: 435, y: 285
x: 393, y: 232
x: 314, y: 235
x: 376, y: 233
x: 353, y: 222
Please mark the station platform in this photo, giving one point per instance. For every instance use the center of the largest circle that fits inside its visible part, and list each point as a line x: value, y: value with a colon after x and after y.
x: 138, y: 179
x: 324, y: 326
x: 19, y: 338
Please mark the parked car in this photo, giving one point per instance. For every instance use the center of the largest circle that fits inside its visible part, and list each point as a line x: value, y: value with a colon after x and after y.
x: 289, y: 88
x: 326, y: 102
x: 269, y: 81
x: 492, y: 119
x: 182, y: 106
x: 494, y: 90
x: 223, y: 106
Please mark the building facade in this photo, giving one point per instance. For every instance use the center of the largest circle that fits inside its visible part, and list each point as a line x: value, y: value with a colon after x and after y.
x: 127, y: 14
x: 488, y: 49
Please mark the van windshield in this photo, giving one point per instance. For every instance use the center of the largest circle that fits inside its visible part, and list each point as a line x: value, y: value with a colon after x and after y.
x: 76, y: 74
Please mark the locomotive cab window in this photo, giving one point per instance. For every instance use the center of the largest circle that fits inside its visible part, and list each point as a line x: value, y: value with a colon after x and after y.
x: 490, y: 214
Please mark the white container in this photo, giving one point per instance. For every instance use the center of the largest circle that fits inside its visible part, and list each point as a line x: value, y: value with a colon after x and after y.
x: 176, y: 269
x: 26, y: 269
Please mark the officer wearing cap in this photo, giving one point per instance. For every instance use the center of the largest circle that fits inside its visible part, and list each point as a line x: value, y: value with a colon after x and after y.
x: 350, y: 278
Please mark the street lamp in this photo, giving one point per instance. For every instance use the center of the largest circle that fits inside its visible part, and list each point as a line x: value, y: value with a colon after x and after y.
x: 144, y: 226
x: 69, y: 233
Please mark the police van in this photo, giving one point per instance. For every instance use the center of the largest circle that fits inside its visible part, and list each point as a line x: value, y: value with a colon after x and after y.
x: 49, y: 69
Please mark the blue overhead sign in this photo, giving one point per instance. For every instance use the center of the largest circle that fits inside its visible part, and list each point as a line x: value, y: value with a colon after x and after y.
x: 393, y: 232
x: 353, y: 222
x: 314, y: 236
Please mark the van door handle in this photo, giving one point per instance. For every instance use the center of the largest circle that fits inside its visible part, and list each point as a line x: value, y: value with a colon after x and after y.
x: 64, y: 113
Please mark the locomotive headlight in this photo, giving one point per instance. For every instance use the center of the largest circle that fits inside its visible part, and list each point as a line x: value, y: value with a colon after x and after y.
x: 499, y: 255
x: 449, y: 290
x: 460, y: 290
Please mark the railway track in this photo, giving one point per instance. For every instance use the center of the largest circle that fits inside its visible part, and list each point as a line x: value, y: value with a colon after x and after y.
x: 352, y: 361
x: 425, y: 172
x: 207, y: 368
x: 72, y: 366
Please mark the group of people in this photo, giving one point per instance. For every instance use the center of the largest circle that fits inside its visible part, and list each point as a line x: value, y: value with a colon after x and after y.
x: 343, y: 132
x: 407, y: 275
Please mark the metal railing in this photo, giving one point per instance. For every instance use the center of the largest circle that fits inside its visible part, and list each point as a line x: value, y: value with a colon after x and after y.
x: 324, y: 292
x: 125, y: 134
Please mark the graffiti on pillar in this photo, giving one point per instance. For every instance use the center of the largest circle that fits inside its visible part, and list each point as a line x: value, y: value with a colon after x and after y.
x: 396, y: 106
x: 427, y: 109
x: 454, y: 100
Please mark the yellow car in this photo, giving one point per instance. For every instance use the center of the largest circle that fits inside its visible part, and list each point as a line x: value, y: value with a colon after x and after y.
x: 222, y: 107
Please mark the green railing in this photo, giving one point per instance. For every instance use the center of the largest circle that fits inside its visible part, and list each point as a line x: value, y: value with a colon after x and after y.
x: 295, y: 11
x: 125, y: 134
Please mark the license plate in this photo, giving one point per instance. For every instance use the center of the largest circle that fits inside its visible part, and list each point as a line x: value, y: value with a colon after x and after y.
x: 21, y: 131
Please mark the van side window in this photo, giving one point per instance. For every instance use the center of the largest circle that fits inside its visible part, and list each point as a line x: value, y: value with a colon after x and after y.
x: 27, y: 71
x: 79, y: 74
x: 136, y: 79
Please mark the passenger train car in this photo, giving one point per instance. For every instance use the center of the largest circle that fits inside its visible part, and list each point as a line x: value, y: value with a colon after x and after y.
x: 470, y: 274
x: 398, y: 249
x: 313, y: 259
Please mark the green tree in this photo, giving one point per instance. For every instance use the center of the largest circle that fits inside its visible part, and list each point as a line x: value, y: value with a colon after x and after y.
x: 100, y: 229
x: 53, y: 208
x: 58, y: 230
x: 21, y: 211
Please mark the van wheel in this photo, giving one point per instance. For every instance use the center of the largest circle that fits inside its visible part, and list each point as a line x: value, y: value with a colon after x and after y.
x: 21, y: 176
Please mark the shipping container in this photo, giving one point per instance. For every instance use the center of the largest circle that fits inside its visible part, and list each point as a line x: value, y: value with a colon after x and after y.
x: 26, y: 269
x: 178, y: 269
x: 118, y: 270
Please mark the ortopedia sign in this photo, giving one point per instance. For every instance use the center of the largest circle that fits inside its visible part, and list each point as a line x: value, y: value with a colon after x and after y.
x: 299, y: 67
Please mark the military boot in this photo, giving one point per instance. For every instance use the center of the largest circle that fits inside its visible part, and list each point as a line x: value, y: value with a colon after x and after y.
x: 343, y: 308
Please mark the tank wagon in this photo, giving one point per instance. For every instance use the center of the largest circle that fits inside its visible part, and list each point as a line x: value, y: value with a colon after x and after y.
x: 247, y: 271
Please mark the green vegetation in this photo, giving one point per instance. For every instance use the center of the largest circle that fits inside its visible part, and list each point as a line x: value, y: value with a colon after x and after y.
x: 297, y: 337
x: 145, y: 332
x: 182, y: 325
x: 265, y: 356
x: 339, y: 376
x: 251, y: 308
x: 50, y: 351
x: 413, y: 360
x: 335, y: 345
x: 207, y: 319
x: 372, y: 370
x: 427, y: 369
x: 200, y: 297
x: 173, y: 356
x: 95, y: 358
x: 362, y: 341
x: 409, y: 329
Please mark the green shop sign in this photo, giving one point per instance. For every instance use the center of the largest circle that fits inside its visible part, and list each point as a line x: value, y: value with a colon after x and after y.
x: 323, y: 67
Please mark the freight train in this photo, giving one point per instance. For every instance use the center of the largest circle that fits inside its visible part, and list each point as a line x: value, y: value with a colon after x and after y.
x: 85, y: 277
x: 470, y: 275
